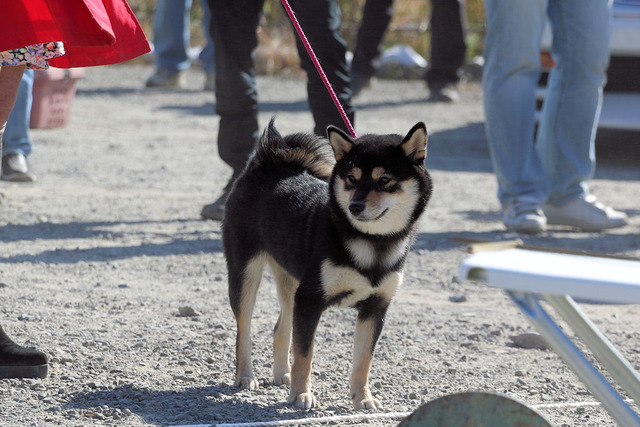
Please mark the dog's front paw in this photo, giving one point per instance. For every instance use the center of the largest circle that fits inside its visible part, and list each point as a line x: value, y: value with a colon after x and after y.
x: 284, y: 379
x: 249, y: 383
x: 369, y: 403
x: 302, y: 400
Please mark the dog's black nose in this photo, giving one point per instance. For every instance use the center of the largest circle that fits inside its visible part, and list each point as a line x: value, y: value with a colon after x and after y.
x: 356, y: 208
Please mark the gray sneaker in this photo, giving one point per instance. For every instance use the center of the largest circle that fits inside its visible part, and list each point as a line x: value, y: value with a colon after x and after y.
x: 15, y: 168
x: 524, y: 217
x: 586, y: 214
x: 168, y: 80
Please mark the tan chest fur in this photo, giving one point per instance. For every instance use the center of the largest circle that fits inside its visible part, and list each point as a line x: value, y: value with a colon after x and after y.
x: 341, y: 279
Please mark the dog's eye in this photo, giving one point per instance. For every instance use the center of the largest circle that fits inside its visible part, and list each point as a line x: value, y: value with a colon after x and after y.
x: 352, y: 179
x: 384, y: 180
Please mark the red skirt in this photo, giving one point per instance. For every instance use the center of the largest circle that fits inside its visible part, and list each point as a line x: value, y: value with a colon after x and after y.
x: 94, y: 32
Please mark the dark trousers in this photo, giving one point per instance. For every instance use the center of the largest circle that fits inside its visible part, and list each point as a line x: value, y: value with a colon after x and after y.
x: 233, y: 30
x: 376, y: 16
x: 448, y: 31
x: 448, y: 47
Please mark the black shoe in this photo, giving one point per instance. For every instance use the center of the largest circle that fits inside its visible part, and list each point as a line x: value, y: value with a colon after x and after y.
x: 444, y: 92
x: 215, y: 210
x: 15, y: 168
x: 20, y: 362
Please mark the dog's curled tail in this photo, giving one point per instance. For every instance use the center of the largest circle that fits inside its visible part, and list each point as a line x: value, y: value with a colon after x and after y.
x: 307, y: 150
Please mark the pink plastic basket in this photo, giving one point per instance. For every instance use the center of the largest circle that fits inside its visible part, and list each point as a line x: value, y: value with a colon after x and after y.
x: 53, y: 93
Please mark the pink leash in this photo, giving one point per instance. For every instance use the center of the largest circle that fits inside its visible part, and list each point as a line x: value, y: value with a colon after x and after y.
x: 314, y: 58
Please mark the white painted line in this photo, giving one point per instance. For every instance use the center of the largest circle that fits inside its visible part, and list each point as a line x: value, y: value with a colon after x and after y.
x: 367, y: 417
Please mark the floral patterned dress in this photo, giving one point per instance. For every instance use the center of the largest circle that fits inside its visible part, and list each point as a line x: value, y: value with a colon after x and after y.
x: 94, y: 32
x: 36, y: 56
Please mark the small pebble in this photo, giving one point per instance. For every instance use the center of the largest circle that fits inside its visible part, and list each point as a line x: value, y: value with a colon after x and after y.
x: 458, y: 298
x: 529, y: 341
x: 188, y: 312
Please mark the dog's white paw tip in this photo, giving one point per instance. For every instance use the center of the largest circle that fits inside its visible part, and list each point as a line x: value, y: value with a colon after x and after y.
x: 368, y: 404
x: 284, y: 379
x: 247, y: 383
x: 303, y: 400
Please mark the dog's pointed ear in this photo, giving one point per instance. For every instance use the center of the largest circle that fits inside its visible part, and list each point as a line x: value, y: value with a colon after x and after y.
x: 340, y: 142
x: 270, y: 136
x: 414, y: 144
x: 271, y: 133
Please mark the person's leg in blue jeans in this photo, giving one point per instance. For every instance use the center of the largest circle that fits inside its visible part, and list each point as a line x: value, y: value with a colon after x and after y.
x: 566, y: 136
x: 207, y: 54
x: 171, y: 36
x: 16, y: 142
x: 574, y: 94
x: 558, y: 167
x: 510, y: 75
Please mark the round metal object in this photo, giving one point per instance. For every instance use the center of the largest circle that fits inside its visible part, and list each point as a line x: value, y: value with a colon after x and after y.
x: 474, y: 409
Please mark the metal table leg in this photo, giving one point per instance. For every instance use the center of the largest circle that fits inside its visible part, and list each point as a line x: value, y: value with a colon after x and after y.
x: 603, y: 350
x: 572, y: 356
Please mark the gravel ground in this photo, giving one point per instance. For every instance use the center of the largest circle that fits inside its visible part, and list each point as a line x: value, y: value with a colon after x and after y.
x: 106, y: 266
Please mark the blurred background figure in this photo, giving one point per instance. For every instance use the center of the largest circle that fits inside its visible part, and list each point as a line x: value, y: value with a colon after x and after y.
x: 376, y: 16
x: 16, y: 140
x: 172, y: 41
x: 448, y: 47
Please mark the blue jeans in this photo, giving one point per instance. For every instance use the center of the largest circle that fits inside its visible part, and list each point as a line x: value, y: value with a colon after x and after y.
x: 171, y: 36
x: 555, y: 168
x: 16, y: 138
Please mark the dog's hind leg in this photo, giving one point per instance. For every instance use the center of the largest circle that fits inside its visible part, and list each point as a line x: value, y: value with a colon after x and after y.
x: 286, y: 286
x: 243, y: 287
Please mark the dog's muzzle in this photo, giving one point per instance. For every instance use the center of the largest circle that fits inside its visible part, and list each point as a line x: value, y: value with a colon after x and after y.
x: 356, y: 208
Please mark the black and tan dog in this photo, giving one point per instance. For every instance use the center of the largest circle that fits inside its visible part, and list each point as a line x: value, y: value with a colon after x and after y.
x: 335, y: 228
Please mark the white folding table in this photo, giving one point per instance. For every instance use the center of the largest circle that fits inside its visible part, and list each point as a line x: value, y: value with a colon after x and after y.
x: 528, y: 276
